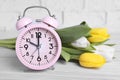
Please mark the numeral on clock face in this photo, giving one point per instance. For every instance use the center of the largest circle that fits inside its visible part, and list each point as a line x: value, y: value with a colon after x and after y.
x: 51, y: 46
x: 45, y: 57
x: 27, y: 53
x: 49, y: 39
x: 27, y: 39
x: 31, y: 35
x: 38, y: 34
x: 38, y: 59
x: 26, y: 46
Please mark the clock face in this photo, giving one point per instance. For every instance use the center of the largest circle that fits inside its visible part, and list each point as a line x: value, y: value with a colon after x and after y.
x: 37, y: 47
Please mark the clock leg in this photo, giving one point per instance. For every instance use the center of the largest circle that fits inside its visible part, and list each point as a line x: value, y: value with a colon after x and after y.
x: 51, y: 68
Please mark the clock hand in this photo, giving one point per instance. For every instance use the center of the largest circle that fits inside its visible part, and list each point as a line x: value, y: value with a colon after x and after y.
x: 39, y: 46
x: 38, y: 51
x: 38, y: 42
x: 31, y: 58
x: 38, y: 59
x: 33, y: 43
x: 32, y: 55
x: 34, y: 51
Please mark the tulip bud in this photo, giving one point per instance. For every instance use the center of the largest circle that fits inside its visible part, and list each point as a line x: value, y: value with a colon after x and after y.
x: 98, y: 35
x: 91, y: 60
x: 106, y: 51
x: 81, y: 43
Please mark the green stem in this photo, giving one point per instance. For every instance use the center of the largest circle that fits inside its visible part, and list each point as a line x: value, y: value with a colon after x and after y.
x: 75, y: 57
x: 7, y: 46
x: 8, y: 41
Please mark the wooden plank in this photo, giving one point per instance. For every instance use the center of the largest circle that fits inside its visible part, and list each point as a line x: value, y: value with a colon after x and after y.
x: 11, y: 68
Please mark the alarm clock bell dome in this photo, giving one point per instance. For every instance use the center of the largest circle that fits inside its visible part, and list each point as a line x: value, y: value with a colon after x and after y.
x: 23, y: 22
x: 50, y: 21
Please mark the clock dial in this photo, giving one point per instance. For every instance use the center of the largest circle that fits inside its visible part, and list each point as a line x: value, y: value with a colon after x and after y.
x: 38, y: 46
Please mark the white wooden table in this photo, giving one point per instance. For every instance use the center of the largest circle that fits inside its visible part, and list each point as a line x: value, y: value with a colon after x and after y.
x: 12, y: 69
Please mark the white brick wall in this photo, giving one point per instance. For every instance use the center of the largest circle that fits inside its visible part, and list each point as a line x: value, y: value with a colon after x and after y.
x: 94, y: 19
x: 97, y: 13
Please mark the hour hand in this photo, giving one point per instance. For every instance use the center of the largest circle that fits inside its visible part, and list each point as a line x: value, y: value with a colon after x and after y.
x: 38, y: 41
x: 33, y: 43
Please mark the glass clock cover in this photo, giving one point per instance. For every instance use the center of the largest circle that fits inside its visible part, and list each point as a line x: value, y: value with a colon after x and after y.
x: 38, y: 46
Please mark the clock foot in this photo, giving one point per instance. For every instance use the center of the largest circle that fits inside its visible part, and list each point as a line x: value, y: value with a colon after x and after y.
x: 51, y: 68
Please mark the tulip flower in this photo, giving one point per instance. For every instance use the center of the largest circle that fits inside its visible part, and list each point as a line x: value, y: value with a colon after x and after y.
x: 81, y: 43
x: 98, y: 35
x: 106, y: 51
x: 91, y: 60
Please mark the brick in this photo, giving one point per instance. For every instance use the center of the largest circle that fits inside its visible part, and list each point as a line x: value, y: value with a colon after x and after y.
x: 16, y: 5
x: 113, y: 5
x: 94, y: 19
x: 96, y: 4
x: 63, y: 5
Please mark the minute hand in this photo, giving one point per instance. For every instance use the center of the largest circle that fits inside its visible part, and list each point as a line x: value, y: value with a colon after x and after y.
x: 38, y: 42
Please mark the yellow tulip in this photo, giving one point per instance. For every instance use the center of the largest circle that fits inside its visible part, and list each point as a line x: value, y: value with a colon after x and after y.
x: 91, y: 60
x: 98, y: 35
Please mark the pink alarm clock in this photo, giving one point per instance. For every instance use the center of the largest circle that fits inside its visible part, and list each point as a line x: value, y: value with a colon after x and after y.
x: 38, y: 46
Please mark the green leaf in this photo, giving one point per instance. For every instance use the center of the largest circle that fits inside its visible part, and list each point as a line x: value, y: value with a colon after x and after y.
x: 88, y: 48
x: 99, y: 43
x: 65, y: 55
x: 72, y: 51
x: 74, y: 57
x: 88, y: 35
x: 110, y: 44
x: 73, y: 33
x: 83, y: 23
